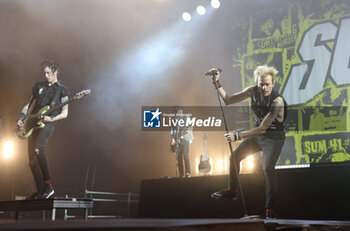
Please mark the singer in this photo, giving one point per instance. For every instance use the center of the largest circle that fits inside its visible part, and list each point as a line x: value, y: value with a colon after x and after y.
x: 268, y: 137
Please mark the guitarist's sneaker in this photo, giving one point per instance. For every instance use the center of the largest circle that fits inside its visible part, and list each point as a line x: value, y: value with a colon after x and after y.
x: 225, y: 194
x: 48, y: 191
x: 270, y: 214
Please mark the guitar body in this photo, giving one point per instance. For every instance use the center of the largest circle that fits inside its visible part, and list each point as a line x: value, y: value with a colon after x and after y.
x: 31, y: 123
x: 34, y: 121
x: 204, y: 165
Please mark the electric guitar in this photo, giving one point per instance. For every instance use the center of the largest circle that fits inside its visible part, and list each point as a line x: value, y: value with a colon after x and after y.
x: 177, y: 135
x: 204, y: 165
x: 34, y: 121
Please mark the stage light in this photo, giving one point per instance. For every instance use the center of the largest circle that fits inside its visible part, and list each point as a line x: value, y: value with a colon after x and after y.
x: 7, y: 151
x: 215, y: 3
x: 201, y: 10
x: 250, y: 162
x: 220, y: 164
x: 186, y: 16
x: 292, y: 166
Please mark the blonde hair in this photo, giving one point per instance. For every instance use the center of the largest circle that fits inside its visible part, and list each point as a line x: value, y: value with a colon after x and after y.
x: 264, y: 71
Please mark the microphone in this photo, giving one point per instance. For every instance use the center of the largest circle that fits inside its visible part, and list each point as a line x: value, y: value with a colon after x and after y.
x: 213, y: 72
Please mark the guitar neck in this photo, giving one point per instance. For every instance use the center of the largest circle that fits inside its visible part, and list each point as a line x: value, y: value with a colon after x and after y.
x: 58, y: 106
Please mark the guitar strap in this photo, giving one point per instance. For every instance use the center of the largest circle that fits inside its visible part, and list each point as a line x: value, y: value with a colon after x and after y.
x: 56, y: 99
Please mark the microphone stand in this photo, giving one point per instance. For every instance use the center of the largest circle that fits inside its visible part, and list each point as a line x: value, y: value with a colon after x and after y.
x: 231, y: 150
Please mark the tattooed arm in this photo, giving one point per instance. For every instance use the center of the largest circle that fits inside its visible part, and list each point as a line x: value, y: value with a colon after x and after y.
x: 276, y: 113
x: 277, y: 109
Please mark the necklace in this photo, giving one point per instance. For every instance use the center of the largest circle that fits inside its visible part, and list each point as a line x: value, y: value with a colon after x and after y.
x: 267, y: 100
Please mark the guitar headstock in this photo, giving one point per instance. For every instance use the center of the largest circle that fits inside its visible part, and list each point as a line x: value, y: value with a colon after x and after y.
x: 81, y: 94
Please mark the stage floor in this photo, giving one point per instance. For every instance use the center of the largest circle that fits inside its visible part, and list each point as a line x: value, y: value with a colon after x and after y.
x: 175, y: 224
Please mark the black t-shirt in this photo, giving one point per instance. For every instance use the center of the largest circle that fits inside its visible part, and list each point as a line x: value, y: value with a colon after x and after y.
x: 46, y: 95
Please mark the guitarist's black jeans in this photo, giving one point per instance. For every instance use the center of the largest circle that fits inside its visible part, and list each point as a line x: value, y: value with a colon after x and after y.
x: 270, y: 144
x: 37, y: 157
x: 183, y: 156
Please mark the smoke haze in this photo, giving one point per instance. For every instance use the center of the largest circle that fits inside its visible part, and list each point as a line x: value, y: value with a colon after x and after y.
x: 131, y: 53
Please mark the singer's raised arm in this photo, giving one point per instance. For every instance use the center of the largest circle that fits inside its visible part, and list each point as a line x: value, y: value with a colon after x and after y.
x: 237, y: 97
x: 214, y: 73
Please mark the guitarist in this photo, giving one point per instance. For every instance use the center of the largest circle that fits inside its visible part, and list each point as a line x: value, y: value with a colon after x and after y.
x: 181, y: 137
x: 49, y: 92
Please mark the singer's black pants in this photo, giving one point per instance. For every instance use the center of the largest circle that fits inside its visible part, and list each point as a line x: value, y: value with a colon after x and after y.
x: 270, y: 144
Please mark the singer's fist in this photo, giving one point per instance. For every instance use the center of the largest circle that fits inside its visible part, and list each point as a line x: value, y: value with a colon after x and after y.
x: 229, y: 137
x: 214, y: 74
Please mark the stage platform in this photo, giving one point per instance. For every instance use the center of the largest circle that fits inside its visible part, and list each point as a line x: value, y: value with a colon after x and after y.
x: 315, y: 193
x: 51, y: 204
x: 177, y: 224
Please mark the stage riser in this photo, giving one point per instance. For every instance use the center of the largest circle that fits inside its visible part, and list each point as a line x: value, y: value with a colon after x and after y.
x: 313, y: 193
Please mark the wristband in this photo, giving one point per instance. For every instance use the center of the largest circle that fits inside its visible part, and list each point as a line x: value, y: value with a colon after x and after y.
x: 21, y: 116
x: 237, y: 134
x: 218, y: 84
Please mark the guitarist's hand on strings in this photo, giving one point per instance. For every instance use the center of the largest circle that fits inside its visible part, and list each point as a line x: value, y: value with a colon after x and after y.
x: 20, y: 124
x: 46, y: 119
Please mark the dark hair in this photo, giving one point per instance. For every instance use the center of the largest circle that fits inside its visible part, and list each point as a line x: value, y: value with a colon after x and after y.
x: 50, y: 64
